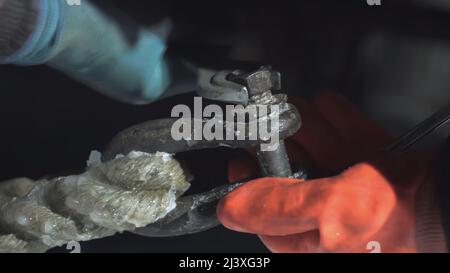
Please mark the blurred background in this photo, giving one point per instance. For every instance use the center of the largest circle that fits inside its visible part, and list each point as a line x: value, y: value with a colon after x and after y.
x: 392, y: 61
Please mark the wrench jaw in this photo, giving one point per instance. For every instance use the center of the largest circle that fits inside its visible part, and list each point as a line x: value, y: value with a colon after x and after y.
x: 215, y: 86
x: 196, y: 213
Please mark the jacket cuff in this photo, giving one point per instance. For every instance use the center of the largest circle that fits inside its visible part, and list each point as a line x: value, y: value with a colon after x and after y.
x: 17, y: 21
x: 430, y: 235
x: 443, y: 188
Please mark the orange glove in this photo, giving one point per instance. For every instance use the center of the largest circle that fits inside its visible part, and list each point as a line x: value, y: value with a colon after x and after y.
x: 384, y: 204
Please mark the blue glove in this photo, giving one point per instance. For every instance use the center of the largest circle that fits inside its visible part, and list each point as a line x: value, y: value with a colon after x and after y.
x: 91, y: 47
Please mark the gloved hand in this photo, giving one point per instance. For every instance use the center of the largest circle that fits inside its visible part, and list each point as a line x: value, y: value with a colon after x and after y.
x: 386, y: 201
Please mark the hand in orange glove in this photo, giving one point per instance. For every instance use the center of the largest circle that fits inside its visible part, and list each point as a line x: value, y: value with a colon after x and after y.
x: 386, y: 201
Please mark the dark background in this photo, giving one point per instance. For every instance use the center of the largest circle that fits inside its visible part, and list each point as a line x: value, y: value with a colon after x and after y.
x: 392, y: 57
